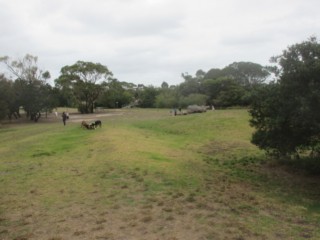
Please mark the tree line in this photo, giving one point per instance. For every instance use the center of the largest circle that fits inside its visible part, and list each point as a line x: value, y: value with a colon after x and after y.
x: 87, y: 85
x: 284, y: 110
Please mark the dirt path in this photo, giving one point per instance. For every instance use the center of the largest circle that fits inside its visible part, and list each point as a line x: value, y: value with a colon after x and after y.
x: 73, y: 117
x: 91, y: 117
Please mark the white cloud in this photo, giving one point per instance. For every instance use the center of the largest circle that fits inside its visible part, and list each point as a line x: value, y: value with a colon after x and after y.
x: 151, y: 41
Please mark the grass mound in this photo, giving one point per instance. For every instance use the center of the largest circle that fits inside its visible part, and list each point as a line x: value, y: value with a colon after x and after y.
x: 148, y: 175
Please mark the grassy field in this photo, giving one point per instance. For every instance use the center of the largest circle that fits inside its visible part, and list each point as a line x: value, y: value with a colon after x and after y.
x: 148, y: 175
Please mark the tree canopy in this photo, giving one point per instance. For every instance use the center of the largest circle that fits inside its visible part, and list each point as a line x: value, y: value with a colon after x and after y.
x: 86, y: 85
x: 29, y: 89
x: 286, y: 113
x: 81, y: 80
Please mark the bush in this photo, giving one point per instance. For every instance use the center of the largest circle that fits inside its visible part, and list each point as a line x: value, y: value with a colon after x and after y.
x: 286, y: 114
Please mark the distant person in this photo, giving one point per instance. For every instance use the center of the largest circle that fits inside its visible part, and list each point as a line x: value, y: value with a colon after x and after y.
x: 56, y: 113
x: 64, y: 118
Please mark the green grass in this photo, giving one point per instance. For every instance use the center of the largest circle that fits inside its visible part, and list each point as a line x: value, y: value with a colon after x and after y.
x: 198, y: 171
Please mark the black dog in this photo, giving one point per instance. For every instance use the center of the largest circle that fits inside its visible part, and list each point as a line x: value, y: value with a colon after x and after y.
x: 97, y: 123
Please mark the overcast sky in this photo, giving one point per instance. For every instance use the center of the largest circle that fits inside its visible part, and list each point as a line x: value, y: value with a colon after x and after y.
x: 151, y: 41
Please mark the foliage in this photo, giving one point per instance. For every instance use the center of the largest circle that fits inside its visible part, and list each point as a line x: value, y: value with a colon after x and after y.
x: 196, y: 98
x: 246, y: 73
x: 167, y: 98
x: 5, y: 96
x: 147, y: 97
x: 66, y: 97
x: 270, y: 126
x: 224, y: 92
x: 49, y: 97
x: 86, y: 85
x: 164, y: 85
x: 3, y: 109
x: 29, y: 89
x: 116, y: 94
x: 81, y: 81
x: 286, y: 114
x: 214, y: 73
x: 191, y: 85
x: 230, y: 86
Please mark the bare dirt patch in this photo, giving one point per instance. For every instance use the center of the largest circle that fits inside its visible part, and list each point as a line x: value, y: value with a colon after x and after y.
x: 91, y: 117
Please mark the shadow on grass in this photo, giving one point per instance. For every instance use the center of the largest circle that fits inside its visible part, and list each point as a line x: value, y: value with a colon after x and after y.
x: 293, y: 181
x: 309, y: 166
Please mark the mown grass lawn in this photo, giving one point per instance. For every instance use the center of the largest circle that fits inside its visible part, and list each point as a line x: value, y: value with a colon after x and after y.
x: 148, y: 175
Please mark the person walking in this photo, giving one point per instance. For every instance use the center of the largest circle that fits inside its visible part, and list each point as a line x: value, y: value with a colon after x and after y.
x: 64, y: 118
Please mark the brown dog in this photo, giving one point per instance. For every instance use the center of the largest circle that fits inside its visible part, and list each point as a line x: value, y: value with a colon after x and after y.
x: 84, y: 124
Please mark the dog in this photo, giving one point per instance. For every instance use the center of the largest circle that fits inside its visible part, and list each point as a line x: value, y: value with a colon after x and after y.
x: 97, y: 123
x: 84, y: 124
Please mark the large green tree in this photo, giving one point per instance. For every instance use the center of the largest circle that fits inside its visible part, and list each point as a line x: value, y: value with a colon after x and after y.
x: 29, y: 85
x: 116, y: 94
x: 167, y: 97
x: 246, y: 73
x: 82, y: 81
x: 5, y: 96
x: 286, y: 114
x: 224, y: 92
x: 191, y: 85
x: 147, y: 97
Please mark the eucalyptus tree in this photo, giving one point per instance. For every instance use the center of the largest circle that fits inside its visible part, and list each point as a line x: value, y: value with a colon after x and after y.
x: 29, y: 82
x: 83, y: 81
x: 247, y: 73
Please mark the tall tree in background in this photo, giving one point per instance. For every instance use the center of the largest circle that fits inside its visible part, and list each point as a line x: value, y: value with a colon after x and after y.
x: 83, y: 80
x: 246, y: 73
x: 224, y: 92
x: 286, y: 114
x: 214, y: 73
x: 167, y: 97
x: 5, y: 96
x: 29, y: 82
x: 116, y: 94
x: 147, y: 97
x: 191, y: 85
x: 234, y: 84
